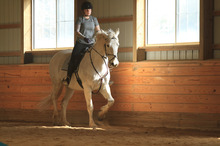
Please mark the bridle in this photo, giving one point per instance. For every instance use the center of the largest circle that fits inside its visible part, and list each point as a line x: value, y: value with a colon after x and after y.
x: 106, y: 54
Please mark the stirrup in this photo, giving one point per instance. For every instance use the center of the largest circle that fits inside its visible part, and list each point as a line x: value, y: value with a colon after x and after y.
x: 66, y: 81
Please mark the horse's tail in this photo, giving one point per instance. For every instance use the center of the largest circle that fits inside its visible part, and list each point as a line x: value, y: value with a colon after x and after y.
x: 45, y: 103
x: 54, y: 95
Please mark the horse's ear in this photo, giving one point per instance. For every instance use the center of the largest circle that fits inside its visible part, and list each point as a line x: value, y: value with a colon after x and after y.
x: 117, y: 32
x: 104, y: 33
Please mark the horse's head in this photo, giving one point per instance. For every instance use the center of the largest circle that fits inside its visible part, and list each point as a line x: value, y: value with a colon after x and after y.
x: 111, y: 44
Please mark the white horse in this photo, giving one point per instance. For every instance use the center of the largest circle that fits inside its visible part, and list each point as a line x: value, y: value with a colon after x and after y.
x: 93, y: 71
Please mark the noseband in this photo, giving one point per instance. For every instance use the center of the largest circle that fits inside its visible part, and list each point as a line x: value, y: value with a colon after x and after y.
x: 107, y: 54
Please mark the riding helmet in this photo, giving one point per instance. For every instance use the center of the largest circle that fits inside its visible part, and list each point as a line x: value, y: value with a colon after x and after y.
x: 86, y: 5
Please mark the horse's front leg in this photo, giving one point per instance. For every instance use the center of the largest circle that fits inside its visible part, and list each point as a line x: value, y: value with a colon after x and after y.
x: 89, y: 103
x: 106, y: 92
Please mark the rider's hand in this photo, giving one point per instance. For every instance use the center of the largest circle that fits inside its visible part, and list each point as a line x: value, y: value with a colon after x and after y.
x: 88, y: 40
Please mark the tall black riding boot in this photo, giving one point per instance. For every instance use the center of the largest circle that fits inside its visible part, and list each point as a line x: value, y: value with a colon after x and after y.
x: 76, y: 57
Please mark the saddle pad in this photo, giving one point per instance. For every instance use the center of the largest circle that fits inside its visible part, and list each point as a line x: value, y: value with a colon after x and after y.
x: 66, y: 63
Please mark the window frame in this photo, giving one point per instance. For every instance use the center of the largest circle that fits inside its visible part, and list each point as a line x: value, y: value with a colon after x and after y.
x: 204, y: 46
x: 175, y: 44
x: 33, y: 31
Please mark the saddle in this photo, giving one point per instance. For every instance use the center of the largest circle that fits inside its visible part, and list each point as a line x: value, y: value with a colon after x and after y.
x: 65, y: 68
x: 66, y: 62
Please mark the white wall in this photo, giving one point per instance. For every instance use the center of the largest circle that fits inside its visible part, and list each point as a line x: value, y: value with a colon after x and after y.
x: 10, y: 39
x: 217, y: 29
x: 173, y: 55
x: 117, y: 8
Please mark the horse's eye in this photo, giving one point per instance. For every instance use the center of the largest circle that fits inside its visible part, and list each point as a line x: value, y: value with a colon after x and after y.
x: 108, y: 46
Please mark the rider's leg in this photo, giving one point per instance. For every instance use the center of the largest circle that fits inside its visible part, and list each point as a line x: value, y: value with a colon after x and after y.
x: 76, y: 57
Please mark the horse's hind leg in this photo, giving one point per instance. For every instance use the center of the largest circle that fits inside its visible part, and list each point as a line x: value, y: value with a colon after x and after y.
x: 106, y: 92
x: 57, y: 89
x: 65, y: 101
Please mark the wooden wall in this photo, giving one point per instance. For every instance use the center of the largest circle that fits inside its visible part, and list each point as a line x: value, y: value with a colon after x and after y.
x: 145, y: 93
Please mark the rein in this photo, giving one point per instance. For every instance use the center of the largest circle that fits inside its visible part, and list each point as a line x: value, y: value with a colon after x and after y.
x: 103, y: 58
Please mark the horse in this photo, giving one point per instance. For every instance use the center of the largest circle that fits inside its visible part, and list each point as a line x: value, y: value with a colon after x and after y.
x: 94, y: 72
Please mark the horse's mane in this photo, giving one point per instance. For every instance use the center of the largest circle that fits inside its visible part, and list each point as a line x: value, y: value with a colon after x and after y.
x: 106, y: 34
x: 111, y: 33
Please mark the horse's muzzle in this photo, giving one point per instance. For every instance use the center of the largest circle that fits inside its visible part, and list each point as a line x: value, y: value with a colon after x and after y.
x: 114, y: 62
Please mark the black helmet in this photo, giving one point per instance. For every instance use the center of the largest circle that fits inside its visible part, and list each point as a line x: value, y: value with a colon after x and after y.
x: 86, y: 5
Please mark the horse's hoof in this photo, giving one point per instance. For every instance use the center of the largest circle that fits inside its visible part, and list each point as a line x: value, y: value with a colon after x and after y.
x: 66, y: 124
x: 93, y: 126
x: 56, y: 124
x: 101, y: 117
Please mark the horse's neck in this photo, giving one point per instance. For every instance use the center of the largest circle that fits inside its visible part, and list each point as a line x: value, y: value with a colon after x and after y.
x: 97, y: 58
x: 99, y: 47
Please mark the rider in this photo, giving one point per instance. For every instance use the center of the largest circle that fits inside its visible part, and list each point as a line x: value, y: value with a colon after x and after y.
x: 86, y: 26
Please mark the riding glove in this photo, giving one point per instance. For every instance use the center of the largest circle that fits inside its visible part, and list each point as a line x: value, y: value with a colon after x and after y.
x: 87, y: 40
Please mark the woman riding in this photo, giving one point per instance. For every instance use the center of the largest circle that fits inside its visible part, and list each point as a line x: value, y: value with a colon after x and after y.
x: 86, y: 26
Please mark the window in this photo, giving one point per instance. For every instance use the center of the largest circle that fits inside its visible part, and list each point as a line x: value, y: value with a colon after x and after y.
x: 53, y: 23
x: 172, y: 21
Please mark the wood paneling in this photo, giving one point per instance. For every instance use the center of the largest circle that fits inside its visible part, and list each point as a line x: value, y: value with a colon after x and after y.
x: 14, y: 53
x: 176, y: 94
x: 117, y: 118
x: 6, y: 26
x: 178, y: 87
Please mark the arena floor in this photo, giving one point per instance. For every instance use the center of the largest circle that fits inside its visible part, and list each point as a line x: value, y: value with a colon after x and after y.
x: 34, y: 134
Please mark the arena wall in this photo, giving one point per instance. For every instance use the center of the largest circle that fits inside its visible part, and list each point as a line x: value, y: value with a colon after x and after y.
x: 168, y: 94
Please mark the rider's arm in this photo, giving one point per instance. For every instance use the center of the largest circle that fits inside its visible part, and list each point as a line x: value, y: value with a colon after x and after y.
x: 78, y: 33
x: 97, y: 28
